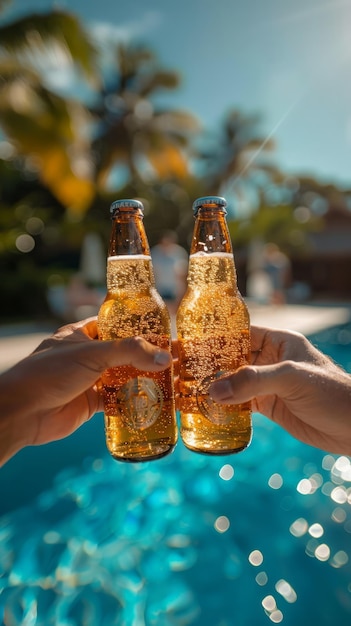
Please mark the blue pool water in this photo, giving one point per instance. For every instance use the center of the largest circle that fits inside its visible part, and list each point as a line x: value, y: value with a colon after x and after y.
x: 259, y: 538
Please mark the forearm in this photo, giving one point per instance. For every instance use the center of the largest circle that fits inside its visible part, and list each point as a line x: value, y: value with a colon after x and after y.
x: 12, y: 413
x: 8, y: 445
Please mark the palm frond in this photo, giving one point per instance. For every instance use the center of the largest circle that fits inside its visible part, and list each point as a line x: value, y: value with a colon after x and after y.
x: 176, y: 122
x: 12, y: 70
x: 131, y: 58
x: 45, y: 115
x: 39, y: 32
x: 158, y: 80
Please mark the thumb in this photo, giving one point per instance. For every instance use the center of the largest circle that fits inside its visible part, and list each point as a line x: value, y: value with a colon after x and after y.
x: 248, y: 382
x: 134, y: 351
x: 77, y: 366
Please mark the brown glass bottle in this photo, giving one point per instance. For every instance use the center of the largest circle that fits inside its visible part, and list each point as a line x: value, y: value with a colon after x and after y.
x: 213, y: 328
x: 140, y: 420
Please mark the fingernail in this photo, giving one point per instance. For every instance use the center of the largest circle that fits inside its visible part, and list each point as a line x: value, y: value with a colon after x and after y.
x: 162, y: 358
x: 221, y: 390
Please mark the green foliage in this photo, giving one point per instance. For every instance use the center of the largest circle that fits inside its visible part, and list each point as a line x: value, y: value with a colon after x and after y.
x: 276, y: 224
x: 24, y: 293
x: 43, y: 127
x: 37, y: 34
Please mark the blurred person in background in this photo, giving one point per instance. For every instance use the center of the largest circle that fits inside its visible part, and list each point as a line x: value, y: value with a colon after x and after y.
x: 277, y: 268
x: 170, y: 263
x: 269, y: 273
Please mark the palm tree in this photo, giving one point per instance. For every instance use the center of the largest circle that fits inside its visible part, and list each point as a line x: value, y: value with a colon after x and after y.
x: 44, y: 128
x: 235, y: 154
x: 131, y: 132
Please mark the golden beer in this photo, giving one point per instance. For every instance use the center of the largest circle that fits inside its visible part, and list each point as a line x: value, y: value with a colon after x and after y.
x: 213, y: 329
x: 139, y: 406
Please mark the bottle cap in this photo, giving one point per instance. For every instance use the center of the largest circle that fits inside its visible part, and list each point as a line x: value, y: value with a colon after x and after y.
x: 126, y: 204
x: 218, y: 200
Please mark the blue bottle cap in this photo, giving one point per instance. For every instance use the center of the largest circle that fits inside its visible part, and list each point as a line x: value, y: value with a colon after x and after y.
x: 209, y: 200
x: 126, y: 204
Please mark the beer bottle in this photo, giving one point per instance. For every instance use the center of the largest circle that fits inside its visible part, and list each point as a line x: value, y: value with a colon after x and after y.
x: 139, y: 408
x: 213, y: 329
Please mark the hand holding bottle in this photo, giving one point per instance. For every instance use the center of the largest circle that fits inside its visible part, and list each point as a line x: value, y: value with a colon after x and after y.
x: 53, y: 391
x: 296, y: 386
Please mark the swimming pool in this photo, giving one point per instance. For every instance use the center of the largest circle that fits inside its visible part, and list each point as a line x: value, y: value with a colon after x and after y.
x: 262, y: 537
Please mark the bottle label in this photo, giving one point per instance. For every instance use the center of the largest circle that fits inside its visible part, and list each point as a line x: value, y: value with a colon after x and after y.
x: 140, y: 402
x: 216, y: 413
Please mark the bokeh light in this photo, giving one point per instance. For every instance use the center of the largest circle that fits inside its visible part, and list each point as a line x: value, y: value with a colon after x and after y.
x: 25, y: 243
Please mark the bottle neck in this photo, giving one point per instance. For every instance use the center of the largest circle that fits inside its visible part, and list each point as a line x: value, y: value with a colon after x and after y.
x: 211, y: 232
x: 129, y: 266
x: 128, y: 236
x: 211, y: 254
x: 130, y: 273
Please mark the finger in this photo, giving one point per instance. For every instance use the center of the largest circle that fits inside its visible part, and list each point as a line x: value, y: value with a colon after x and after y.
x: 134, y: 351
x: 253, y: 381
x: 77, y: 366
x: 89, y: 327
x: 257, y: 337
x: 68, y: 329
x: 77, y: 331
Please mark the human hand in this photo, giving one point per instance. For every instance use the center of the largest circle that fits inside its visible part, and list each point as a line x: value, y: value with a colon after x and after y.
x: 54, y: 390
x: 296, y: 386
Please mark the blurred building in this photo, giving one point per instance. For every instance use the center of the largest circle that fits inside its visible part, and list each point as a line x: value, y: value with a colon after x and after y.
x: 327, y: 266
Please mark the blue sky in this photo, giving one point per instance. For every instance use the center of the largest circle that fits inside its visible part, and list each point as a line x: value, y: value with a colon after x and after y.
x: 287, y: 60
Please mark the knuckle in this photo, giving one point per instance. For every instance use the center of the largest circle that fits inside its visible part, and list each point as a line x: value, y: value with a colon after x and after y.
x: 247, y: 373
x: 289, y: 366
x: 134, y: 343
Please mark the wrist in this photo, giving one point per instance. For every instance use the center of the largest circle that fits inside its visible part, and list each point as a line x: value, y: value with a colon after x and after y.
x: 11, y: 431
x: 9, y: 445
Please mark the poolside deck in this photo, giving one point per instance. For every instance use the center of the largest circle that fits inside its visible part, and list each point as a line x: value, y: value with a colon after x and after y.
x: 306, y: 318
x: 17, y: 342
